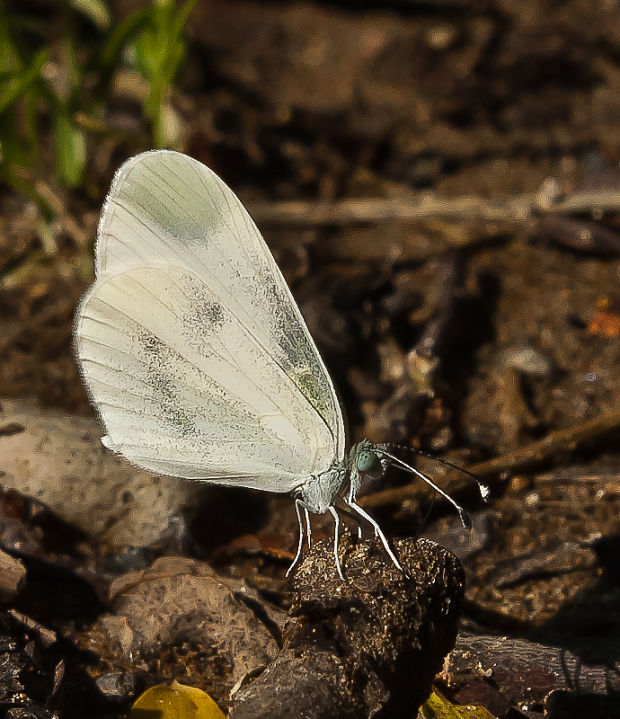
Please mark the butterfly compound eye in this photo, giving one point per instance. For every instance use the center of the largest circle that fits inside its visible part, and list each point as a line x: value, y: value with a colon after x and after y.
x: 368, y: 462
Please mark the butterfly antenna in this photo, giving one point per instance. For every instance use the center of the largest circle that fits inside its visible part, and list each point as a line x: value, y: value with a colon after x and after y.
x: 463, y: 516
x: 426, y: 516
x: 485, y: 492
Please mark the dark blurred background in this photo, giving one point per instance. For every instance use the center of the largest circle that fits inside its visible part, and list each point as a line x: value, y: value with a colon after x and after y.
x: 507, y: 103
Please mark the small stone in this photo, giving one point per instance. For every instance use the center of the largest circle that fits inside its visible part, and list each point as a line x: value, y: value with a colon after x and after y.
x: 528, y: 361
x: 12, y: 576
x: 116, y: 686
x: 29, y: 712
x: 440, y: 37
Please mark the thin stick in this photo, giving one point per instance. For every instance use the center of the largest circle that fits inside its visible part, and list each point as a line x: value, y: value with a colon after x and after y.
x: 428, y: 205
x: 527, y: 457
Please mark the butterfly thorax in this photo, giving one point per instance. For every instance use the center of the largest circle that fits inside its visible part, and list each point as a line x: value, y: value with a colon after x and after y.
x: 319, y: 492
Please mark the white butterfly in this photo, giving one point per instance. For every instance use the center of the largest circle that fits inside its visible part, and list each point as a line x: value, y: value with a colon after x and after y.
x: 198, y: 359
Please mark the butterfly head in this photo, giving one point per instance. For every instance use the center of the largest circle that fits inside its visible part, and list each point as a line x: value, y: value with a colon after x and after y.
x: 365, y: 462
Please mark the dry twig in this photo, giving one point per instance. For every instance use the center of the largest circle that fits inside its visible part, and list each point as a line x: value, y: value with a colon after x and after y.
x: 428, y: 205
x: 527, y: 457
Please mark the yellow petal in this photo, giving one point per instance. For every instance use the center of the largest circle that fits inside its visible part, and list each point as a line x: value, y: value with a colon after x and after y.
x: 438, y: 707
x: 175, y: 701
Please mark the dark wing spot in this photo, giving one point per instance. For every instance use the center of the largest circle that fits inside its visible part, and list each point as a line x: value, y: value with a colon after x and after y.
x: 162, y: 363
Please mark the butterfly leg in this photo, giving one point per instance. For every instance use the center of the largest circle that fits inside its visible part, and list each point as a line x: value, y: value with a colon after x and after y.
x: 378, y: 532
x: 308, y: 528
x: 349, y: 501
x: 334, y: 514
x: 300, y: 544
x: 359, y: 528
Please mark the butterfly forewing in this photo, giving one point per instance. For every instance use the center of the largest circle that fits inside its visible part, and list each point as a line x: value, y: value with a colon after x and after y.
x: 165, y: 208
